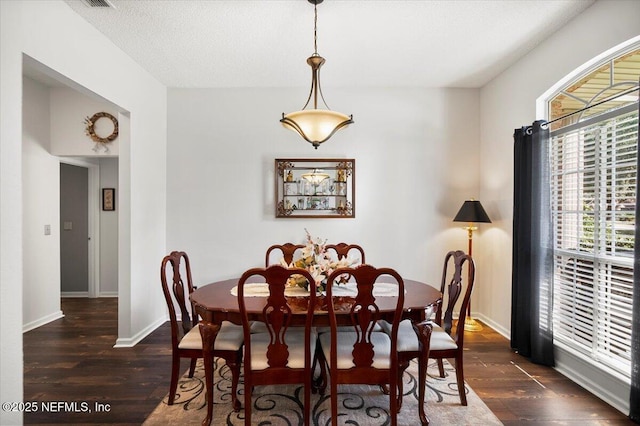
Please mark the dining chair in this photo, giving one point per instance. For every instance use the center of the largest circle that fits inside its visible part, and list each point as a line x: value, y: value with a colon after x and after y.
x: 443, y: 343
x: 282, y: 354
x: 343, y: 249
x: 357, y: 354
x: 186, y: 341
x: 288, y: 250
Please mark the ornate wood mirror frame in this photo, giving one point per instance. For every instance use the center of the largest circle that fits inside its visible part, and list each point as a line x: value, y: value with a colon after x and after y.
x: 315, y: 188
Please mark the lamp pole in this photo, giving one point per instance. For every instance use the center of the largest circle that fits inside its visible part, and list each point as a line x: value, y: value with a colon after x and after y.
x: 471, y: 212
x: 469, y: 323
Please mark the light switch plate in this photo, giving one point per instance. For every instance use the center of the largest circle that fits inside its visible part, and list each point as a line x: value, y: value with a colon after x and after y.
x: 47, y: 230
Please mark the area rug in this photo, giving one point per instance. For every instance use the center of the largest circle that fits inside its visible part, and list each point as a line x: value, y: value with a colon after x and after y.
x: 358, y: 405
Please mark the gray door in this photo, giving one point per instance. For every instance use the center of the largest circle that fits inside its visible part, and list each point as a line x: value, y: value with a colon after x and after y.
x: 74, y: 229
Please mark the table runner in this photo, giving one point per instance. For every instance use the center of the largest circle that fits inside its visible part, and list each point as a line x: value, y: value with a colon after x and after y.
x: 348, y: 289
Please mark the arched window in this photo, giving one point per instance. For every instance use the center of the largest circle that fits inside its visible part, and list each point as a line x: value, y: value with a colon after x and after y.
x: 594, y: 148
x: 612, y: 77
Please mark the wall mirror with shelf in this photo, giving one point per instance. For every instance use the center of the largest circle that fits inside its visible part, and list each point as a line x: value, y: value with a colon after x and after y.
x: 315, y: 188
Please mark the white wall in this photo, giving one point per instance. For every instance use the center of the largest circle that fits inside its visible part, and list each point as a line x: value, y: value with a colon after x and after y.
x: 52, y: 124
x: 109, y: 231
x: 51, y: 33
x: 416, y: 154
x: 508, y: 102
x: 41, y: 200
x: 69, y: 109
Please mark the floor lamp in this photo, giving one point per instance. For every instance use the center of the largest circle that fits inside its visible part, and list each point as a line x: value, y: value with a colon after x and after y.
x: 471, y: 212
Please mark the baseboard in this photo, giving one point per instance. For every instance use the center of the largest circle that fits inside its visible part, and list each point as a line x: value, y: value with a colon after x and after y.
x: 607, y: 387
x: 74, y: 294
x: 497, y: 327
x: 42, y: 321
x: 134, y: 340
x: 78, y: 294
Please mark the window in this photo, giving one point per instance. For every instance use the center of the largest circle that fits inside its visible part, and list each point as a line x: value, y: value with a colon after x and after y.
x: 593, y: 188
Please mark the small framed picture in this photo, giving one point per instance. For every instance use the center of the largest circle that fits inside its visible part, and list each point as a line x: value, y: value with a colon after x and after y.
x: 108, y: 199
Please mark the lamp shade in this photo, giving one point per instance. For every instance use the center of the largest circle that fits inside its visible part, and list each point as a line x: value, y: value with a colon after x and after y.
x: 472, y: 211
x: 315, y: 125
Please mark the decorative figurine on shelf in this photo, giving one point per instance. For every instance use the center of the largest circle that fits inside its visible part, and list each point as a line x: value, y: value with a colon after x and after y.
x: 289, y: 176
x: 288, y: 205
x: 341, y: 176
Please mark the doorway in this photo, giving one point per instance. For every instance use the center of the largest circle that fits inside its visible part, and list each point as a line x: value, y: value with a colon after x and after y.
x: 74, y: 227
x: 79, y: 228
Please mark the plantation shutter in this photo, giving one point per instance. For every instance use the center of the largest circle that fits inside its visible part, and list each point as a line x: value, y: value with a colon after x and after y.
x: 593, y: 187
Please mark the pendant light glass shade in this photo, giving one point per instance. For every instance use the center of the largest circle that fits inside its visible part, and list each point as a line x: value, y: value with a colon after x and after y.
x: 313, y: 124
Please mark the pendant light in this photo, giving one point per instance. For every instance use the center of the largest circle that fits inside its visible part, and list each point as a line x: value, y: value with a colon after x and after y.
x: 313, y: 124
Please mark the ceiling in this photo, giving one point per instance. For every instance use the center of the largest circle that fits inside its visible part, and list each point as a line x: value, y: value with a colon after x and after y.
x: 366, y: 43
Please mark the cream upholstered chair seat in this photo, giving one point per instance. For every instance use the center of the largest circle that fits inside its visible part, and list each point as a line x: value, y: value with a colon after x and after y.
x: 260, y: 344
x: 346, y: 340
x: 408, y: 341
x: 229, y: 338
x: 341, y: 328
x: 258, y: 327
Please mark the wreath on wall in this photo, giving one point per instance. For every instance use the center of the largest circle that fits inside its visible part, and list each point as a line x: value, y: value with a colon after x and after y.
x: 101, y: 140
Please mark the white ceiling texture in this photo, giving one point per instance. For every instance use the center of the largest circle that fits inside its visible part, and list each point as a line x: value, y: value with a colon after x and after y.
x: 366, y: 43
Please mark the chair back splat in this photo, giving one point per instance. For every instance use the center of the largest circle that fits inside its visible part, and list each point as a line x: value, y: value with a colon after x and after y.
x: 356, y: 354
x: 283, y: 353
x: 343, y: 250
x: 452, y: 291
x: 288, y: 250
x: 178, y: 261
x: 434, y: 339
x: 186, y: 340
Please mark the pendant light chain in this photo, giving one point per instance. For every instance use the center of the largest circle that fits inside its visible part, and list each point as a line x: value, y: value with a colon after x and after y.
x: 315, y: 28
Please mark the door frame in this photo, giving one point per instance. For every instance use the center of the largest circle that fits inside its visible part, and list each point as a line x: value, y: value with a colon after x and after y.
x: 93, y: 215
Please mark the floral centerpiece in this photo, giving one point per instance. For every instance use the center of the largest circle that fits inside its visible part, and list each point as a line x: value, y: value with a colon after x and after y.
x: 318, y: 262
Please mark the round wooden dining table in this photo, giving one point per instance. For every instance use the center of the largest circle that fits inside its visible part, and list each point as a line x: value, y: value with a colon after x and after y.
x: 215, y: 303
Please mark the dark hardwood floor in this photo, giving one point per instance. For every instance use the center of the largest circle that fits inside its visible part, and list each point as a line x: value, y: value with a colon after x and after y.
x: 73, y: 360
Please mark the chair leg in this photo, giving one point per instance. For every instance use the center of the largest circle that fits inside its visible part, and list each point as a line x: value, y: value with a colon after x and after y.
x: 315, y: 383
x: 423, y: 331
x: 307, y: 400
x: 192, y: 367
x: 402, y: 366
x: 234, y: 364
x: 440, y: 368
x: 175, y: 370
x: 334, y: 402
x: 320, y: 384
x: 393, y: 399
x: 460, y: 380
x: 248, y: 388
x: 423, y: 363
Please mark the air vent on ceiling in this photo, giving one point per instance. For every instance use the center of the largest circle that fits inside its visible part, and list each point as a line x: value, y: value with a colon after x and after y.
x: 98, y: 3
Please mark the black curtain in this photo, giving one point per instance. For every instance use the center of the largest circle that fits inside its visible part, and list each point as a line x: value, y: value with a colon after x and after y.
x: 532, y: 263
x: 634, y: 398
